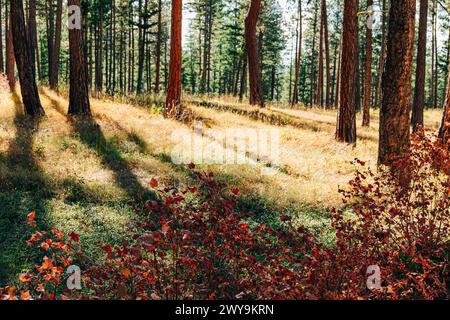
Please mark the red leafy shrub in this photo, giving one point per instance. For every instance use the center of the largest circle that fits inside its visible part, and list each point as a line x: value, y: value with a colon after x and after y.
x: 198, y: 244
x: 47, y: 280
x: 404, y: 230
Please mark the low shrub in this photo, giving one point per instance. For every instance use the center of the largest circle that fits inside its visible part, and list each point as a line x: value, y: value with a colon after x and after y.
x: 198, y: 243
x: 403, y: 230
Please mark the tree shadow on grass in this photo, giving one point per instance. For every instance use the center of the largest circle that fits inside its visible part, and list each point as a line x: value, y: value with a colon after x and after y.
x: 24, y: 187
x: 91, y: 135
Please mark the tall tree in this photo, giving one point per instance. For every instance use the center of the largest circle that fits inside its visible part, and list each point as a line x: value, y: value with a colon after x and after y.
x: 444, y: 131
x: 10, y: 60
x: 79, y: 92
x: 251, y: 42
x: 56, y: 47
x: 368, y: 71
x: 158, y: 48
x: 319, y: 92
x: 299, y: 54
x: 381, y: 62
x: 174, y: 86
x: 2, y: 65
x: 99, y: 50
x: 313, y: 48
x: 327, y: 53
x: 32, y: 33
x: 419, y: 90
x: 50, y: 32
x: 346, y: 124
x: 28, y: 87
x: 394, y: 140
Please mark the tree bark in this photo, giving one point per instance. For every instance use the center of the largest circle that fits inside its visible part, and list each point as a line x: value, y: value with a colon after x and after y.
x: 313, y: 48
x: 32, y: 33
x: 174, y: 86
x: 251, y: 42
x: 142, y: 41
x: 99, y: 55
x: 56, y: 46
x: 346, y: 124
x: 319, y: 92
x: 299, y: 55
x: 158, y: 48
x: 79, y: 92
x: 50, y: 35
x: 379, y: 93
x: 28, y: 87
x: 243, y: 78
x: 367, y: 74
x: 2, y: 65
x: 10, y: 62
x: 419, y: 90
x: 396, y: 84
x: 327, y: 54
x: 444, y: 131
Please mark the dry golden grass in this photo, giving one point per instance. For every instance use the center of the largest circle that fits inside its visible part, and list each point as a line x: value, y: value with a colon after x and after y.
x: 313, y: 163
x: 80, y: 174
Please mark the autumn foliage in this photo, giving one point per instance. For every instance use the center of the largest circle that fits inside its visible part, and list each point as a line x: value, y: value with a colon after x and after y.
x: 198, y: 243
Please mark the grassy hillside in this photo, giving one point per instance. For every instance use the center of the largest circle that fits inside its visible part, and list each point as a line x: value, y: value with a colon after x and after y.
x: 80, y: 174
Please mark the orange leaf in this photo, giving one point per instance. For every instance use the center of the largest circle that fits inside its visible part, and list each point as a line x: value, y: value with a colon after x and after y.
x: 44, y: 246
x: 125, y: 272
x: 30, y: 218
x: 25, y: 295
x: 165, y: 227
x: 48, y: 263
x: 24, y: 278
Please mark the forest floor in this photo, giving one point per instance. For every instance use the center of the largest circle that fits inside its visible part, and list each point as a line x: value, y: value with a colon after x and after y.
x: 79, y: 175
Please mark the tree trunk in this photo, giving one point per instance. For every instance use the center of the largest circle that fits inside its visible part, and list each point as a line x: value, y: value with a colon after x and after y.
x: 243, y: 78
x: 256, y: 97
x: 79, y: 92
x: 56, y: 46
x: 141, y: 49
x: 99, y: 55
x: 444, y: 131
x: 28, y: 87
x: 433, y: 49
x: 10, y: 62
x: 396, y: 84
x: 346, y: 124
x: 299, y: 55
x: 32, y: 33
x: 2, y: 65
x: 319, y: 95
x: 50, y: 35
x: 327, y: 54
x: 158, y: 48
x: 367, y: 74
x: 379, y: 93
x: 338, y: 76
x: 174, y: 87
x: 313, y: 48
x: 419, y: 90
